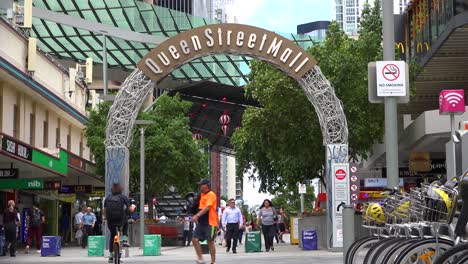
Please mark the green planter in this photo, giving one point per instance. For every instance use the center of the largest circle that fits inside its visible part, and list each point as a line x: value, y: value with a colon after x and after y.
x: 152, y: 245
x: 95, y: 246
x: 253, y: 242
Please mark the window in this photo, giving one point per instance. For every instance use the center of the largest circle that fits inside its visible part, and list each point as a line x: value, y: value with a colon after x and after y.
x: 45, y: 134
x: 15, y: 121
x: 68, y: 142
x: 57, y: 137
x: 32, y: 129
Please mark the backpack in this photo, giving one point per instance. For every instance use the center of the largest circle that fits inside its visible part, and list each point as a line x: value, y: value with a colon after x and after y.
x: 36, y: 218
x: 115, y: 208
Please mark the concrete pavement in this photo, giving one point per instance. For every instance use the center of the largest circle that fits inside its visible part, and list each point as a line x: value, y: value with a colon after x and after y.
x: 284, y: 253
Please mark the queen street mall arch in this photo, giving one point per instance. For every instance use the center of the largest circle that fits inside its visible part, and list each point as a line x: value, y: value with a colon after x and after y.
x: 227, y: 39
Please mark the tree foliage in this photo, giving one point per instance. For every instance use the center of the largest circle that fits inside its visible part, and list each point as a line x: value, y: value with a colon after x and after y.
x: 280, y: 144
x: 172, y: 157
x: 290, y: 199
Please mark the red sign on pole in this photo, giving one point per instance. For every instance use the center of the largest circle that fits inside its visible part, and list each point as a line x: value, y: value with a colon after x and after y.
x: 340, y: 174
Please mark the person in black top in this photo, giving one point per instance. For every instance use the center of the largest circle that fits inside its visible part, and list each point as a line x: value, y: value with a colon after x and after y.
x: 116, y: 211
x: 10, y: 220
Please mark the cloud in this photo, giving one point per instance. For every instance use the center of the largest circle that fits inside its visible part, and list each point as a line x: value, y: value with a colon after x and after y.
x: 245, y: 10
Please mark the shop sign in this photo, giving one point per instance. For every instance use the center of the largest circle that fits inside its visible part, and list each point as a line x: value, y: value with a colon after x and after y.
x: 13, y: 147
x: 97, y: 193
x: 56, y: 164
x: 222, y: 38
x: 76, y: 161
x: 76, y: 189
x: 378, y: 182
x: 8, y: 173
x: 22, y: 184
x: 52, y: 185
x: 438, y: 166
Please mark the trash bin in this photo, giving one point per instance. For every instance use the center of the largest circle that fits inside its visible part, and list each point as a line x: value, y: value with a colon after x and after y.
x: 309, y: 240
x: 253, y: 242
x: 96, y: 246
x: 51, y: 246
x: 204, y: 247
x: 152, y: 245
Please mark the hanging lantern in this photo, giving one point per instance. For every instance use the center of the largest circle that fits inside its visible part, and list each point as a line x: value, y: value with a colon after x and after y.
x: 224, y: 119
x: 225, y: 129
x: 197, y: 136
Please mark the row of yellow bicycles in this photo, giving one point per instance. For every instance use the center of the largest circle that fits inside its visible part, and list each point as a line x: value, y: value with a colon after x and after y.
x: 425, y: 225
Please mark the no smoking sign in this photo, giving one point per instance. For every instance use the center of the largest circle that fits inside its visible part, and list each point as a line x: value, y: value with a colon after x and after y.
x: 391, y: 78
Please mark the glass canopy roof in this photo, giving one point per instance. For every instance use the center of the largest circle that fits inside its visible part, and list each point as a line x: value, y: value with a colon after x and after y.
x: 73, y: 43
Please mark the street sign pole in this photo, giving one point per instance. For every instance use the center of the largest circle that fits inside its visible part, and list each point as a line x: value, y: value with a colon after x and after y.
x: 302, y: 203
x: 391, y: 138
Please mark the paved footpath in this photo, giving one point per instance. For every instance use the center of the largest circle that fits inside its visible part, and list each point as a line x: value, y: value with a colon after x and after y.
x: 284, y: 253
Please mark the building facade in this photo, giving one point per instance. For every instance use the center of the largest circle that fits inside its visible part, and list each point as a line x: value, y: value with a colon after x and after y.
x: 347, y: 13
x: 43, y: 153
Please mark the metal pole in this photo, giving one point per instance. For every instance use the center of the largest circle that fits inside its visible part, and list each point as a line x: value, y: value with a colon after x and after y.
x: 391, y: 125
x: 454, y: 151
x: 348, y: 228
x: 302, y: 203
x: 104, y: 63
x: 142, y: 186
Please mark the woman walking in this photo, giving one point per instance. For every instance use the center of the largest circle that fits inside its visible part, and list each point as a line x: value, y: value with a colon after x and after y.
x: 10, y: 219
x: 267, y: 216
x: 281, y: 224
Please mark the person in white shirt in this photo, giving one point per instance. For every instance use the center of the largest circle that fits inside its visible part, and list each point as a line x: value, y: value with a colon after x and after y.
x: 77, y: 222
x: 232, y: 220
x: 188, y: 229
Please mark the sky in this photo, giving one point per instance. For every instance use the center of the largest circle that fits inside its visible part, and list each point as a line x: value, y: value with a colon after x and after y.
x: 281, y: 16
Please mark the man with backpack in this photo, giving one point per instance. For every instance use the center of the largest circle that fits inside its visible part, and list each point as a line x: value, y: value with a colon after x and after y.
x: 116, y: 212
x: 35, y: 219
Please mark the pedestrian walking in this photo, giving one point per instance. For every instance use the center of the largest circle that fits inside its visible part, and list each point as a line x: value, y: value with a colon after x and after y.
x: 188, y: 229
x: 267, y: 215
x: 207, y: 221
x: 77, y: 225
x: 34, y: 220
x: 231, y: 221
x: 87, y: 225
x: 65, y: 226
x: 242, y: 230
x: 10, y: 223
x: 116, y: 211
x: 281, y: 224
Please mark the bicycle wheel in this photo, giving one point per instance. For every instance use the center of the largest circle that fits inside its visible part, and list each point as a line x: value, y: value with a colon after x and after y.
x: 451, y: 256
x: 422, y: 251
x: 370, y: 254
x: 463, y: 259
x: 384, y: 249
x: 389, y: 255
x: 116, y: 253
x: 353, y: 255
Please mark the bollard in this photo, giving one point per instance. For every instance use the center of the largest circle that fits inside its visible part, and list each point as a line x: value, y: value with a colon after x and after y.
x: 348, y: 228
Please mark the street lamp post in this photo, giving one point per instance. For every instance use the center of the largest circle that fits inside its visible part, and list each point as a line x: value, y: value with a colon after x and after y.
x: 142, y: 177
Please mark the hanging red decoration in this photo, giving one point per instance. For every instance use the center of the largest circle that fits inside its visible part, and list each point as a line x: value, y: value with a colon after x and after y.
x: 225, y: 129
x: 224, y: 119
x: 203, y: 105
x: 224, y: 99
x: 197, y: 136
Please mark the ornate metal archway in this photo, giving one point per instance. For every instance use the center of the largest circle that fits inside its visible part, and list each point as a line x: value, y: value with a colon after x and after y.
x: 229, y: 39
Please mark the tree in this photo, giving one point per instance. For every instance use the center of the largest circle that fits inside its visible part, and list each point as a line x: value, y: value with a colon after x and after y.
x: 172, y: 157
x: 280, y: 144
x: 290, y: 199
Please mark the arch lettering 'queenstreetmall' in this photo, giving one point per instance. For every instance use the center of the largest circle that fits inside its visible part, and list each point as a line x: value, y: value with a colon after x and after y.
x: 226, y: 39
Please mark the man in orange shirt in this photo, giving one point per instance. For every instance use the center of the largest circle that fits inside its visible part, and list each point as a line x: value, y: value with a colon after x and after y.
x: 207, y: 219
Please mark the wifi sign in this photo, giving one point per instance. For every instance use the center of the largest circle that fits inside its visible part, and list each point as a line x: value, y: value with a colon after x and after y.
x: 451, y: 102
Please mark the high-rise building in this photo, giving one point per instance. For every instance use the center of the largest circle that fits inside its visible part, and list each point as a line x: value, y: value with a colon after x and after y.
x: 399, y: 6
x: 231, y: 186
x: 348, y: 12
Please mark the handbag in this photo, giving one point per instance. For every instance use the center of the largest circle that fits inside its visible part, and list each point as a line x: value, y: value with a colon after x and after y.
x: 79, y: 234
